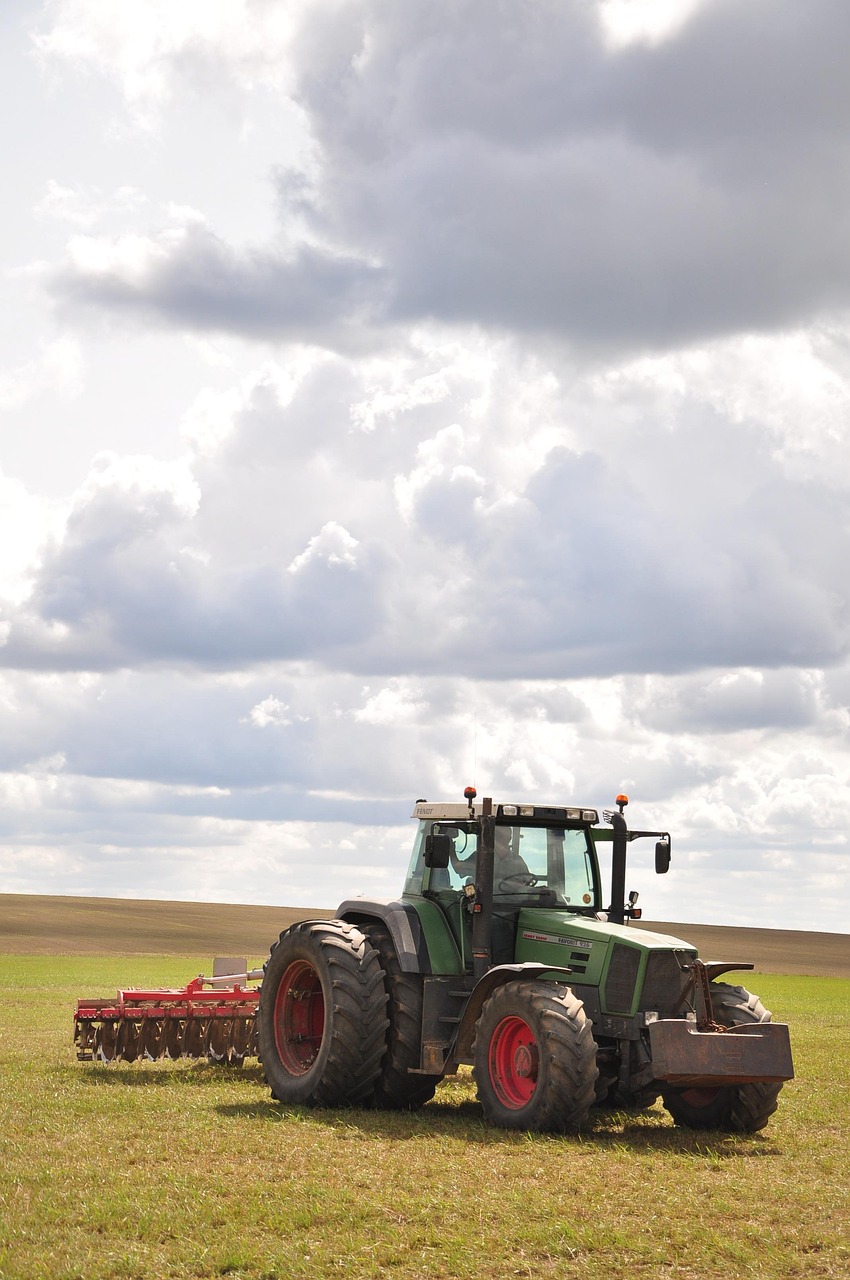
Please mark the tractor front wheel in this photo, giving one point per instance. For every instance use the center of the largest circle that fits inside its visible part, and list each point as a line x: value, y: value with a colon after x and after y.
x: 738, y: 1108
x: 321, y: 1017
x: 535, y: 1058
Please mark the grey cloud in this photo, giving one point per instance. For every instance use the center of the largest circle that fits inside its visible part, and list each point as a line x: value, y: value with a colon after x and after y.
x: 379, y: 76
x: 520, y: 175
x: 188, y: 744
x: 194, y: 280
x: 588, y: 567
x: 739, y: 701
x: 132, y: 801
x: 600, y: 578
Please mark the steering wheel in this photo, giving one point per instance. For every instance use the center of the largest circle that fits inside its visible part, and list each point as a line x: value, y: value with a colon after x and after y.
x: 524, y: 879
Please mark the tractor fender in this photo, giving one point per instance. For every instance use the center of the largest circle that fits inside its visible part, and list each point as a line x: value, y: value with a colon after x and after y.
x: 498, y: 976
x: 714, y: 968
x: 421, y: 946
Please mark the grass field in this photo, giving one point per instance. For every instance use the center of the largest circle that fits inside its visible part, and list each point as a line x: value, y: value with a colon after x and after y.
x: 185, y: 1170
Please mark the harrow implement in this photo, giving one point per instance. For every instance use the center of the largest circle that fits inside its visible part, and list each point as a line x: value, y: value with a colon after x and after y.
x: 210, y: 1018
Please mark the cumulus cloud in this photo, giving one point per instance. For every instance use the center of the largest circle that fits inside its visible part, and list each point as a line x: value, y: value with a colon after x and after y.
x: 165, y: 785
x: 303, y: 533
x: 555, y: 185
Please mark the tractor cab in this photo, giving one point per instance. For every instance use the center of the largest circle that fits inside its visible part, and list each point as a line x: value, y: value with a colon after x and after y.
x: 539, y: 857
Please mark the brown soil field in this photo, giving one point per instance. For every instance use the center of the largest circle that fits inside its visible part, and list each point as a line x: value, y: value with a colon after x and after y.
x: 33, y: 924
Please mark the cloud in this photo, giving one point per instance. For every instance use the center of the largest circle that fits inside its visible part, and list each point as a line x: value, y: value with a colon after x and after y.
x: 189, y: 277
x: 57, y: 368
x: 741, y: 699
x: 306, y: 529
x: 149, y: 51
x: 85, y: 207
x: 160, y: 785
x: 556, y: 186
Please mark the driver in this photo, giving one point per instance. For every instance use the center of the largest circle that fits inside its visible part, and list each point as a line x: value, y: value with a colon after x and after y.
x: 508, y: 863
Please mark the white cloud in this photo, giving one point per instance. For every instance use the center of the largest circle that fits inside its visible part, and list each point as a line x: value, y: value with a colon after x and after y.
x: 85, y: 207
x: 290, y: 532
x: 270, y: 711
x: 159, y: 781
x: 151, y: 49
x: 631, y: 21
x: 398, y: 703
x: 57, y: 369
x: 332, y: 545
x: 25, y: 523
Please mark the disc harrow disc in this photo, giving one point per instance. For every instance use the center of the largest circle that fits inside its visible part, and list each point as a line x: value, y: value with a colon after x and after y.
x: 85, y: 1038
x: 197, y: 1033
x: 129, y: 1034
x: 175, y: 1034
x: 106, y: 1040
x: 152, y: 1042
x: 219, y: 1039
x: 240, y: 1040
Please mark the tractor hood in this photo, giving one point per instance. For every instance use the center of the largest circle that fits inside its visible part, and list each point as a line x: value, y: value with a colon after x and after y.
x: 599, y: 954
x: 562, y: 926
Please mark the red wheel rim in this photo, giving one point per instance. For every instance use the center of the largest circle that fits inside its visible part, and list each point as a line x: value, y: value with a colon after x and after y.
x: 699, y: 1097
x: 513, y: 1062
x: 299, y: 1017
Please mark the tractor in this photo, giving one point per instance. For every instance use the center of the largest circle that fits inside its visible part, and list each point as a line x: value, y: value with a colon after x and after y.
x: 498, y: 954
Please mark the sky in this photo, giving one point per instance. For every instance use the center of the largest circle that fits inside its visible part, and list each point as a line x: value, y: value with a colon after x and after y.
x: 398, y: 397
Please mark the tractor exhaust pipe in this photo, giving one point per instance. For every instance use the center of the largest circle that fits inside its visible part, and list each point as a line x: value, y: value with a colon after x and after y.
x: 617, y: 909
x: 482, y: 918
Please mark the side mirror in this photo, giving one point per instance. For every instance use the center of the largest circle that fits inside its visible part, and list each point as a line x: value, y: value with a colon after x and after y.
x: 439, y: 847
x: 662, y: 857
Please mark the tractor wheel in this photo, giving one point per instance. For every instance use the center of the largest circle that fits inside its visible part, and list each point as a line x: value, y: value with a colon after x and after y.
x: 396, y: 1089
x: 321, y: 1018
x: 735, y: 1108
x: 535, y: 1058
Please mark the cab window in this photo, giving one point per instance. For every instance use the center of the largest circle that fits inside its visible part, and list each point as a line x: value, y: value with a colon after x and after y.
x: 557, y: 859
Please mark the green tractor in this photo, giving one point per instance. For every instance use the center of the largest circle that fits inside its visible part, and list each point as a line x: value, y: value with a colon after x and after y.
x: 499, y: 954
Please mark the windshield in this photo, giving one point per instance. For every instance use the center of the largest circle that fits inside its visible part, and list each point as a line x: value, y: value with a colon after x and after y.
x: 529, y: 861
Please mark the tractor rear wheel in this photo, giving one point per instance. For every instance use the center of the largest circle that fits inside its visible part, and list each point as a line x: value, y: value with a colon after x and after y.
x: 396, y: 1089
x: 321, y: 1017
x: 736, y: 1108
x: 535, y: 1058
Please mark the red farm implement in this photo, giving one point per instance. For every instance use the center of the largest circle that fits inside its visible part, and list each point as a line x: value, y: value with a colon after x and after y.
x: 210, y: 1018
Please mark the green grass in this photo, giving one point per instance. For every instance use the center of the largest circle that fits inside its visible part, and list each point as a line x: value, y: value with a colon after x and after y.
x: 185, y: 1170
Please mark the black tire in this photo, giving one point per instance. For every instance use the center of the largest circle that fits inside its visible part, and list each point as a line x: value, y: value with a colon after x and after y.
x: 535, y: 1058
x: 321, y: 1018
x: 396, y: 1089
x: 737, y: 1108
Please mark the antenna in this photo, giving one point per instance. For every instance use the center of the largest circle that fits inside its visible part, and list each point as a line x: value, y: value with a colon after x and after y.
x: 475, y: 747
